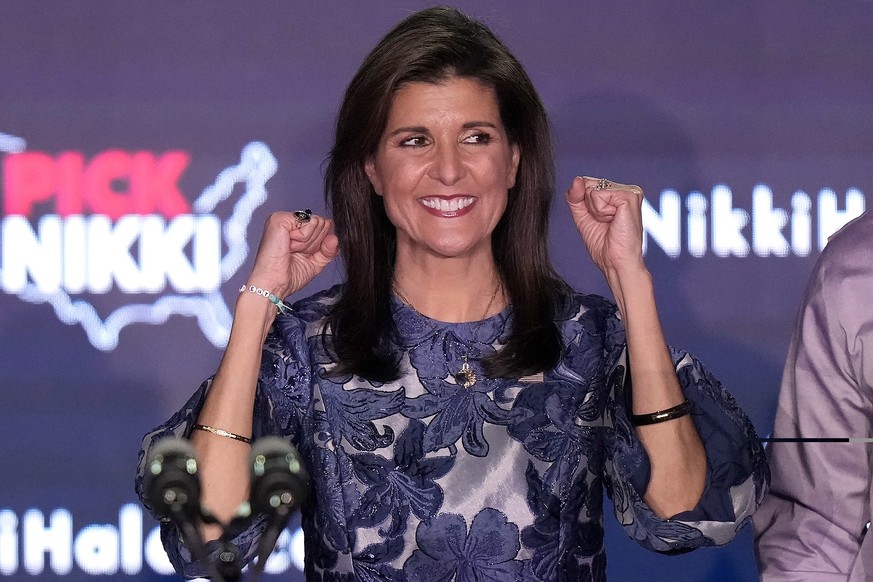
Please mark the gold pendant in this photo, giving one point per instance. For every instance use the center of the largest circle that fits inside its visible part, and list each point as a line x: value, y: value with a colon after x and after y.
x: 466, y: 377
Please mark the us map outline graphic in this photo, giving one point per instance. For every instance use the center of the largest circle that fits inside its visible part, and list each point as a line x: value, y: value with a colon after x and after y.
x: 256, y: 166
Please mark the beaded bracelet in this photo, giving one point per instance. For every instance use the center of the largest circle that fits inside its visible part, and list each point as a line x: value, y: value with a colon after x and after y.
x: 280, y: 305
x: 662, y: 415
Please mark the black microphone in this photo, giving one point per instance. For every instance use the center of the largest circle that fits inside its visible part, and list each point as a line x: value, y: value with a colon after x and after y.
x: 279, y: 484
x: 173, y: 490
x: 171, y: 482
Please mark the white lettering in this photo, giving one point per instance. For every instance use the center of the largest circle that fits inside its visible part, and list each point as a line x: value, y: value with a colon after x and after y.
x: 130, y: 528
x: 56, y: 539
x: 714, y: 222
x: 92, y: 253
x: 663, y: 226
x: 696, y: 205
x: 150, y: 255
x: 104, y: 549
x: 24, y: 252
x: 173, y: 242
x: 96, y: 550
x: 207, y: 252
x: 830, y: 220
x: 767, y: 224
x: 801, y: 224
x: 297, y: 549
x: 281, y: 557
x: 109, y: 254
x: 8, y: 542
x: 74, y: 258
x: 155, y: 556
x: 727, y: 224
x: 162, y: 253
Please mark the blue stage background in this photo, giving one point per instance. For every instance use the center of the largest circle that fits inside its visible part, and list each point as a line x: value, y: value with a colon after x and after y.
x: 747, y: 124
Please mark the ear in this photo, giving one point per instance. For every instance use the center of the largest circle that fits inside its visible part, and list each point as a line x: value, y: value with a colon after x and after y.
x: 513, y: 166
x: 373, y: 175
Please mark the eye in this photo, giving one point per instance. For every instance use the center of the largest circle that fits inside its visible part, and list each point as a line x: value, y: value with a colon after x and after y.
x: 415, y: 141
x: 480, y: 137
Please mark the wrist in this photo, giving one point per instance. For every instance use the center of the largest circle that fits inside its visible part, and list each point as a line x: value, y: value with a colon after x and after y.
x: 252, y: 310
x: 633, y: 273
x: 266, y: 294
x: 269, y: 284
x: 630, y: 286
x: 631, y: 279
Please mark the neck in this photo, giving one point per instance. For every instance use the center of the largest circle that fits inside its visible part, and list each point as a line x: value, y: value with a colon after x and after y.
x: 453, y: 290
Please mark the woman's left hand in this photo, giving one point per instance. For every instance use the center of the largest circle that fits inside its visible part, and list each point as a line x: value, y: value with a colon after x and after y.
x: 608, y: 215
x: 609, y: 219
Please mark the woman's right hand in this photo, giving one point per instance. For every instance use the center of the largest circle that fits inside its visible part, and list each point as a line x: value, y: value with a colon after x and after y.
x: 289, y: 256
x: 291, y: 253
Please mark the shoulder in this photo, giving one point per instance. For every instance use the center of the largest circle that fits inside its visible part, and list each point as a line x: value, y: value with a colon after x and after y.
x: 834, y: 314
x: 843, y: 274
x: 851, y: 246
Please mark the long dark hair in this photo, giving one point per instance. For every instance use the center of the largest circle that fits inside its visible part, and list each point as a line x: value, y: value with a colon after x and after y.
x: 431, y: 46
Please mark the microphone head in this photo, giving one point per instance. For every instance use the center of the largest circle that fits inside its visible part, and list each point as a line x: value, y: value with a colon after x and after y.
x: 279, y: 479
x: 171, y: 480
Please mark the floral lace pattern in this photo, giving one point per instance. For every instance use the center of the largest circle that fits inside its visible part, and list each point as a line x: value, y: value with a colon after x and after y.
x: 422, y: 479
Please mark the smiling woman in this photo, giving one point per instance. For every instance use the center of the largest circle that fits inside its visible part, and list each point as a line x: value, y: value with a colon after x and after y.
x: 443, y: 168
x: 460, y: 408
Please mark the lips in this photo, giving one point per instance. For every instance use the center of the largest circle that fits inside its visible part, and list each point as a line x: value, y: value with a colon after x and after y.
x: 448, y: 207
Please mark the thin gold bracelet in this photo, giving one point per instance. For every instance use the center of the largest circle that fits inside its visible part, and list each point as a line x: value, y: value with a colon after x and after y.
x: 223, y: 433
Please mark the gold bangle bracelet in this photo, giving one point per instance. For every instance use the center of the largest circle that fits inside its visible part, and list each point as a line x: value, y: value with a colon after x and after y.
x: 223, y: 433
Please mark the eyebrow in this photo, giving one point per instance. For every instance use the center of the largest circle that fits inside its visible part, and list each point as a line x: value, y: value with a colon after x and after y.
x: 422, y: 129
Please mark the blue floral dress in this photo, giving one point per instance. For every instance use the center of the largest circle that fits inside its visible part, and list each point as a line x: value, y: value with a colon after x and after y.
x: 422, y: 479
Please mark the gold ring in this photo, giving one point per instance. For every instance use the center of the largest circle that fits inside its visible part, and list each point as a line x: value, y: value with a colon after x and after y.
x: 602, y: 184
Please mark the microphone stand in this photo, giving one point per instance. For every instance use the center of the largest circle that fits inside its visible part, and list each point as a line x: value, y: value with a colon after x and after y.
x: 227, y: 566
x: 278, y: 483
x: 192, y: 539
x: 276, y: 524
x: 229, y: 561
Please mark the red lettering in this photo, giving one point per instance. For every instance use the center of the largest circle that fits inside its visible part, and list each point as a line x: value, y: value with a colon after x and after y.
x: 113, y: 183
x: 154, y: 183
x: 71, y: 167
x: 104, y: 169
x: 28, y: 178
x: 141, y: 189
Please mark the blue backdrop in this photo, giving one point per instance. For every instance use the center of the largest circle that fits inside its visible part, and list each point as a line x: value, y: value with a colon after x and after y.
x: 142, y: 146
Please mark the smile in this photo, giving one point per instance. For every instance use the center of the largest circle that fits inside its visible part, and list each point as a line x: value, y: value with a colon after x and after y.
x: 448, y: 205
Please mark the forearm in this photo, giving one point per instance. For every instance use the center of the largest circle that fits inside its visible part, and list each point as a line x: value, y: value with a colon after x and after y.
x: 229, y: 406
x: 676, y: 454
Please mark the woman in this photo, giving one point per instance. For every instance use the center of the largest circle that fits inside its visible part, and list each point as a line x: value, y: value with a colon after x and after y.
x: 459, y: 407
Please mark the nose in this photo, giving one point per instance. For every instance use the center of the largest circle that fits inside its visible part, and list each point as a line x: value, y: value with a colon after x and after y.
x: 447, y: 165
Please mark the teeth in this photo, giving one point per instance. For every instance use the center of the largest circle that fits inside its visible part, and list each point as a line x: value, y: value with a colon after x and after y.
x: 443, y: 205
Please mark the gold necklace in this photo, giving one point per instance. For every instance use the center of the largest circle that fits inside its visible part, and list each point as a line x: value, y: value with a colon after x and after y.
x: 466, y: 377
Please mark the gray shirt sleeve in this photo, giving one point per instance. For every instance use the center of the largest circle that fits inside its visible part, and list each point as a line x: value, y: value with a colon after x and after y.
x: 810, y: 526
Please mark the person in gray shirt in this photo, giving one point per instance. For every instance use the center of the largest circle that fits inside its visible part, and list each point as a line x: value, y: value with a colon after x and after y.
x: 812, y: 526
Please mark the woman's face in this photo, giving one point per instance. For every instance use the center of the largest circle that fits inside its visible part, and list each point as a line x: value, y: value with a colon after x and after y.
x: 443, y: 167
